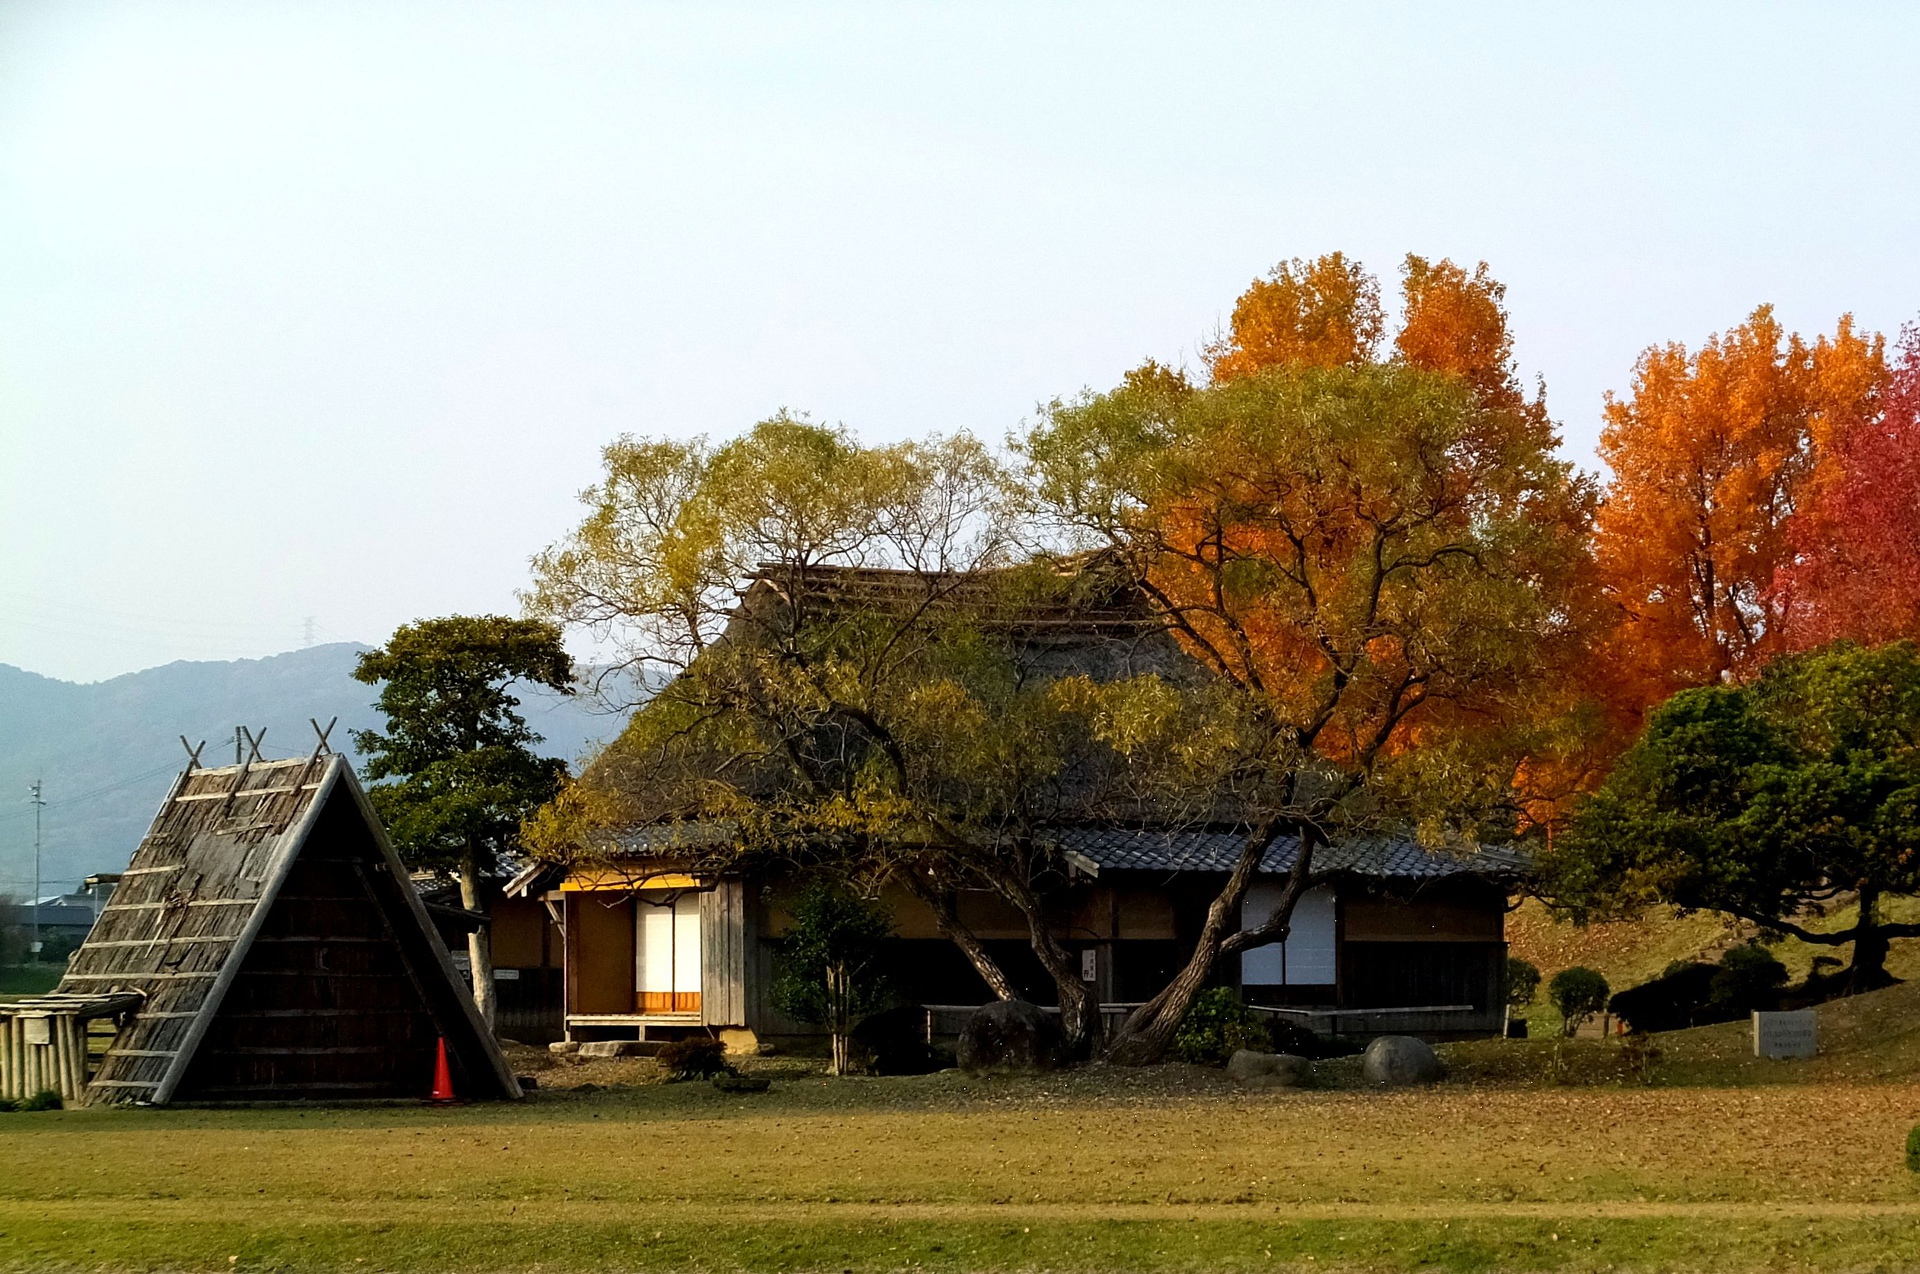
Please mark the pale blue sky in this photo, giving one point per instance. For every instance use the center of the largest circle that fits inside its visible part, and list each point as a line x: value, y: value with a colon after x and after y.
x: 325, y: 310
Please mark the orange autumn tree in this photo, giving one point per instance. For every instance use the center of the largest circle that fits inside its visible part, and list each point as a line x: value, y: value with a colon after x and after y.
x: 1370, y: 564
x: 1327, y: 313
x: 1712, y: 453
x: 1855, y: 565
x: 1320, y: 313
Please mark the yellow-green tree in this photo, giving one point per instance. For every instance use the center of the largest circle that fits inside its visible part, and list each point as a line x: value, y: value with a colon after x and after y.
x: 829, y: 631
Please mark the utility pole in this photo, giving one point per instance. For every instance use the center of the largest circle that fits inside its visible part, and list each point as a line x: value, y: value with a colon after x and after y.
x: 37, y: 803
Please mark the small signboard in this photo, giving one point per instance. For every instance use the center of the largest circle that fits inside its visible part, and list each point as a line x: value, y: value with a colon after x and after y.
x: 1778, y: 1035
x: 39, y: 1028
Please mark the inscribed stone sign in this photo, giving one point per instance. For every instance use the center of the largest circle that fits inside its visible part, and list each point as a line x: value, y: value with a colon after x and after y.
x: 1785, y: 1034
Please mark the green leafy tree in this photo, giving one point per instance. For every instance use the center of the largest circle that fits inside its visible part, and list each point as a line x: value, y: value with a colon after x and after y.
x: 1578, y: 993
x: 830, y: 970
x: 460, y: 775
x: 1764, y: 801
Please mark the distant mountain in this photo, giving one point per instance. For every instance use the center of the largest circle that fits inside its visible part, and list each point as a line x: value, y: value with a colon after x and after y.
x: 108, y: 751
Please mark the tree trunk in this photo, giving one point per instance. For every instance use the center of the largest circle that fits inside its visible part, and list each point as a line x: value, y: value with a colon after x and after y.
x: 1145, y: 1036
x: 1079, y: 1007
x: 839, y: 1026
x: 480, y: 940
x: 947, y: 917
x: 1869, y: 972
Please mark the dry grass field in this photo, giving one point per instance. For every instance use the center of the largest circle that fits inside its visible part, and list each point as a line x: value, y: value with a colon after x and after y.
x: 1530, y: 1157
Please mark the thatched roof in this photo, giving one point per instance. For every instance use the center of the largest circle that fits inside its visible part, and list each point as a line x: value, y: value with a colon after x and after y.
x: 1071, y: 615
x: 265, y: 898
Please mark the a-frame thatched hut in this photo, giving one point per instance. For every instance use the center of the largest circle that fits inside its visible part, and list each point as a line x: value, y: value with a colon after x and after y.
x: 280, y: 951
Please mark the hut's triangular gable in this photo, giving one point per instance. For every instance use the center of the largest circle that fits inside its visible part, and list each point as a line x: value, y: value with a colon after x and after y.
x: 281, y: 950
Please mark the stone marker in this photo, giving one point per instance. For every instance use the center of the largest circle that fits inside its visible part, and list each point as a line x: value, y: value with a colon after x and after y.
x: 1399, y: 1060
x: 1268, y: 1070
x: 1008, y: 1037
x: 1777, y: 1035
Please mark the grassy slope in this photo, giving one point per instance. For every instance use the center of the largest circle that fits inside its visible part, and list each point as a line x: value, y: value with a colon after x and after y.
x: 1166, y: 1169
x: 1630, y: 953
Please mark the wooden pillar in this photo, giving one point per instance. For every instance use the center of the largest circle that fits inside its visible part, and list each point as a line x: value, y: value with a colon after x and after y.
x: 6, y: 1059
x: 74, y: 1033
x: 57, y: 1056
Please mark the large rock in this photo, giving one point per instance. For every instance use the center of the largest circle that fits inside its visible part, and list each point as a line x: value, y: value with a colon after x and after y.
x: 1399, y: 1060
x: 619, y: 1048
x: 1268, y: 1070
x: 1007, y: 1037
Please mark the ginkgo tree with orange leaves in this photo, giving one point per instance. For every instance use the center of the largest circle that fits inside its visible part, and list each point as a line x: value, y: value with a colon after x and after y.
x: 1714, y: 452
x: 1375, y: 560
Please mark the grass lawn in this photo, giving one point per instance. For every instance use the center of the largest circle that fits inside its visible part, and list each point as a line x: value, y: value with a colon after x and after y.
x: 1724, y: 1163
x: 29, y: 979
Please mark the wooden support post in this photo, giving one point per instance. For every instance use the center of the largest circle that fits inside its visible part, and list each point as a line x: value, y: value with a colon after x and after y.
x: 6, y: 1059
x: 62, y: 1060
x: 76, y: 1059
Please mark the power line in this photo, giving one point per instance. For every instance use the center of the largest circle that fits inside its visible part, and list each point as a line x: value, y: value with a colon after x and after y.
x: 83, y: 797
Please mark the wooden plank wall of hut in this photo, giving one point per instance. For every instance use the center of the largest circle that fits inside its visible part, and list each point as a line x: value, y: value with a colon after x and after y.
x: 342, y: 994
x: 324, y: 1004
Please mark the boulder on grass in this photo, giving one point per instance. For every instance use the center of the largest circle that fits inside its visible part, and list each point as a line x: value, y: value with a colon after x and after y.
x: 1399, y: 1060
x: 617, y: 1048
x: 1007, y: 1037
x: 1268, y: 1070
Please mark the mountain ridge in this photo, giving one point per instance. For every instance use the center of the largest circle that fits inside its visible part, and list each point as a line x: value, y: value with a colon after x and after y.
x: 107, y: 750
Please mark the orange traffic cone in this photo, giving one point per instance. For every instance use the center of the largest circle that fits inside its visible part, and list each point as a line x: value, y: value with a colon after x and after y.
x: 442, y: 1077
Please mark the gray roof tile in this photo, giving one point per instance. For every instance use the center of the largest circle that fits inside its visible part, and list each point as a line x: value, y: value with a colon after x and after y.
x: 1154, y: 849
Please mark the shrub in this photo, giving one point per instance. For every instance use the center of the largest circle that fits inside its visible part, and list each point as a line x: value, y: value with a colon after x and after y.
x: 1749, y: 978
x: 1519, y: 983
x: 1578, y: 993
x: 1640, y: 1056
x: 1913, y: 1149
x: 45, y: 1099
x: 1673, y: 1001
x: 831, y: 969
x: 1218, y: 1025
x: 696, y: 1057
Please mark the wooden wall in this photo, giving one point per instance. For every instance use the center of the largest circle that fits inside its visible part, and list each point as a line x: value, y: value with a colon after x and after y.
x: 339, y: 995
x: 725, y: 932
x: 600, y: 937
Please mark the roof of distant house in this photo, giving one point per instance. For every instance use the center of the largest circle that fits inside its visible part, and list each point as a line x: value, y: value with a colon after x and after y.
x: 1162, y: 849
